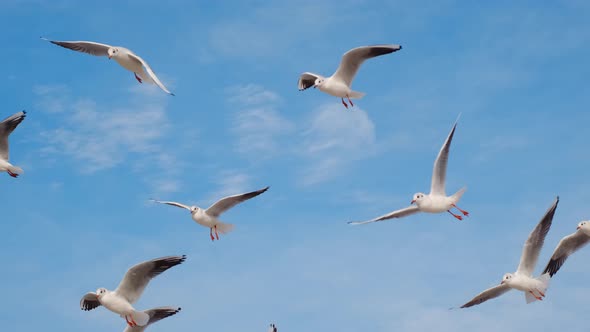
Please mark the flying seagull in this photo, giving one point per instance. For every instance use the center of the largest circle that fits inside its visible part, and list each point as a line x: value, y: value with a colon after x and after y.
x: 7, y: 126
x: 567, y: 246
x: 522, y: 279
x: 272, y: 328
x: 339, y: 84
x: 155, y: 315
x: 435, y: 202
x: 210, y: 217
x: 124, y: 57
x: 134, y: 282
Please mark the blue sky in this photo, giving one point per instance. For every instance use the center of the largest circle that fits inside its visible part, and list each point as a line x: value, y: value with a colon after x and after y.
x: 96, y: 146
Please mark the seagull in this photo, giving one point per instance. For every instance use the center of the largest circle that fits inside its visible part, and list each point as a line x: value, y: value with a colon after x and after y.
x: 210, y: 217
x: 130, y: 289
x: 272, y: 328
x: 339, y: 83
x: 435, y: 202
x: 567, y: 246
x: 523, y: 280
x: 124, y: 57
x: 155, y: 315
x: 7, y: 126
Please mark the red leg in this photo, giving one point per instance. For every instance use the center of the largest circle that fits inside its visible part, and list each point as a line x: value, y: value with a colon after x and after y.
x: 216, y: 235
x: 128, y: 322
x: 542, y: 295
x: 344, y: 103
x: 14, y: 175
x: 350, y: 101
x: 137, y: 78
x: 133, y: 321
x: 211, y: 234
x: 465, y: 213
x: 455, y: 215
x: 536, y: 297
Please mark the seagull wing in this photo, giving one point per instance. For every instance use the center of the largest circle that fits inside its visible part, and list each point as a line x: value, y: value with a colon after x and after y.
x: 150, y: 72
x: 7, y: 126
x: 353, y: 59
x: 488, y: 294
x: 89, y: 302
x: 138, y: 277
x: 172, y: 203
x: 227, y: 203
x: 87, y: 47
x: 307, y: 80
x: 395, y: 214
x: 567, y: 246
x: 533, y: 245
x: 156, y: 314
x: 439, y: 171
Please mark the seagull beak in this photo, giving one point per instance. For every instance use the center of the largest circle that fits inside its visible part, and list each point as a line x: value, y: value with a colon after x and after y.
x: 578, y: 228
x: 110, y: 56
x: 502, y: 282
x: 413, y: 201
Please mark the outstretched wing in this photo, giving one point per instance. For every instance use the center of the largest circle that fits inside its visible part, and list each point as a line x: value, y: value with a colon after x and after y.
x: 87, y: 47
x: 567, y: 246
x: 155, y: 314
x: 353, y: 59
x: 172, y: 203
x: 150, y: 72
x: 488, y: 294
x: 395, y: 214
x: 533, y: 245
x: 307, y: 80
x: 138, y: 277
x: 439, y: 171
x: 227, y: 203
x: 7, y: 126
x: 89, y: 302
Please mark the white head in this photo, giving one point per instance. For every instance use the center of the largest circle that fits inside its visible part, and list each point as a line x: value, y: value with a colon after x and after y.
x: 194, y: 209
x: 584, y: 226
x: 506, y: 279
x: 100, y: 292
x: 318, y: 82
x: 418, y: 198
x: 112, y: 52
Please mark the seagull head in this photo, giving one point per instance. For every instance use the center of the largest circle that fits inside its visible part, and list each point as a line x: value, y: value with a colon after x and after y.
x: 418, y: 197
x: 193, y: 209
x: 506, y: 279
x: 584, y: 226
x: 100, y: 292
x: 112, y: 51
x: 318, y: 82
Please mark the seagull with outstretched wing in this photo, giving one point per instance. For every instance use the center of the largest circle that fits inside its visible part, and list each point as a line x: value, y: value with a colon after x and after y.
x: 7, y: 126
x: 567, y: 246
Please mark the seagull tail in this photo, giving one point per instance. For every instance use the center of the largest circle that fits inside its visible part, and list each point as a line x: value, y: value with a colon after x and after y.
x: 356, y: 95
x: 224, y: 228
x: 140, y: 317
x: 15, y: 169
x: 541, y: 291
x: 457, y: 196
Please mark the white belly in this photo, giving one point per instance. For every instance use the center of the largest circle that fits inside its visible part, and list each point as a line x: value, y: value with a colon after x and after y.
x: 336, y: 89
x: 526, y: 284
x: 436, y: 204
x: 116, y: 304
x: 203, y: 219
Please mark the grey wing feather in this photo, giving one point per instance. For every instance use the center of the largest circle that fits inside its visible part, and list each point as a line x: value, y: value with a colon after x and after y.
x: 138, y: 277
x: 150, y: 72
x: 567, y: 246
x: 353, y: 59
x: 227, y: 203
x: 439, y: 171
x: 534, y: 243
x: 7, y: 126
x: 306, y: 81
x: 395, y: 214
x: 89, y: 301
x: 87, y: 47
x: 180, y: 205
x: 488, y: 294
x: 155, y: 314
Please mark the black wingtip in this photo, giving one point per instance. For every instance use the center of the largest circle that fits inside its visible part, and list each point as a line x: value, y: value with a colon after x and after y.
x: 172, y: 94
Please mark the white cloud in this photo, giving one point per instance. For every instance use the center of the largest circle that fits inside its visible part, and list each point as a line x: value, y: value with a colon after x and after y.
x: 229, y: 182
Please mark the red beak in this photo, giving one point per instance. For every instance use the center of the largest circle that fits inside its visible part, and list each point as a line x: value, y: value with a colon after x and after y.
x: 502, y: 282
x: 413, y: 201
x: 578, y: 228
x: 110, y: 57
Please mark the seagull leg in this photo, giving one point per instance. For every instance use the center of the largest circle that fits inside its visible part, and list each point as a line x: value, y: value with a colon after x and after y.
x: 344, y: 103
x: 128, y: 322
x: 137, y: 78
x: 536, y: 297
x: 211, y: 234
x: 350, y: 101
x: 455, y: 215
x: 133, y: 321
x: 542, y: 295
x: 14, y: 175
x: 465, y: 213
x: 216, y: 235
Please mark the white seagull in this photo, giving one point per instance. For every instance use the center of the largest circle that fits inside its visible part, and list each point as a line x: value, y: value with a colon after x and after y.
x: 339, y: 84
x: 210, y: 217
x: 567, y: 246
x: 435, y: 202
x: 272, y: 328
x: 120, y: 301
x: 155, y: 314
x: 125, y: 57
x: 522, y: 279
x: 7, y: 126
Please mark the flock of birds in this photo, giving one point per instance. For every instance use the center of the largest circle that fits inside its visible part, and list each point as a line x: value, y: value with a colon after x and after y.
x: 121, y: 300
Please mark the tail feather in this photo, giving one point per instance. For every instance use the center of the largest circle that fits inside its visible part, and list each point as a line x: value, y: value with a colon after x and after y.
x: 356, y: 95
x: 141, y: 318
x: 457, y: 196
x: 224, y: 228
